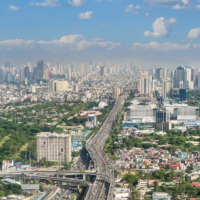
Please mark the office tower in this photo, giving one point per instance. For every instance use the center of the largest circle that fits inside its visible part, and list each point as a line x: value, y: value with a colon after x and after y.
x: 1, y: 75
x: 82, y: 69
x: 25, y: 81
x: 40, y: 69
x: 102, y: 71
x: 162, y: 115
x: 7, y: 66
x: 54, y: 147
x: 161, y: 73
x: 183, y: 74
x: 180, y: 84
x: 182, y: 93
x: 58, y: 86
x: 72, y: 67
x: 8, y: 77
x: 198, y: 80
x: 22, y: 75
x: 26, y: 73
x: 116, y: 92
x: 167, y: 85
x: 69, y: 74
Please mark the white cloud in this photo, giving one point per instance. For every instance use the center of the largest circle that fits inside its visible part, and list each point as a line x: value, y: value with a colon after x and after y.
x: 84, y: 44
x: 86, y: 15
x: 64, y: 40
x: 46, y: 3
x: 14, y: 8
x: 164, y: 47
x: 174, y: 4
x: 71, y: 42
x: 132, y: 9
x: 161, y: 27
x: 194, y: 34
x: 77, y: 2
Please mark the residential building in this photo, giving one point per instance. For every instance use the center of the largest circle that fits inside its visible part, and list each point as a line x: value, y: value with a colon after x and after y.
x: 167, y: 85
x: 54, y: 147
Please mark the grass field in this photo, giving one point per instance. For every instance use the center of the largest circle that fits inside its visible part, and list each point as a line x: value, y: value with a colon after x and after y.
x: 23, y: 148
x: 4, y: 139
x: 126, y: 172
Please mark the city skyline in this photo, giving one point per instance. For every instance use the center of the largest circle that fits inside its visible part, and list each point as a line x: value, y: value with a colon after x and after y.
x: 151, y: 33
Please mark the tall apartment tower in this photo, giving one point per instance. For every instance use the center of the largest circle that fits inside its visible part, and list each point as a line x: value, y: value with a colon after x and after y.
x: 167, y: 85
x: 54, y: 147
x: 40, y: 69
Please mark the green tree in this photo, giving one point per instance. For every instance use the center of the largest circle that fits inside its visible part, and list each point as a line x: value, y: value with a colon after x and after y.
x: 2, y: 194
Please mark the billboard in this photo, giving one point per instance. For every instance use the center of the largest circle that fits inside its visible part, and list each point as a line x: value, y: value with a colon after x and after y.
x: 7, y: 164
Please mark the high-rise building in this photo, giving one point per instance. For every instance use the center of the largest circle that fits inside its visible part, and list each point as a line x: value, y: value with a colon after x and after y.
x: 1, y: 75
x: 22, y: 75
x: 102, y: 71
x: 116, y: 92
x: 26, y: 73
x: 183, y: 74
x: 160, y: 73
x: 40, y: 69
x: 69, y: 74
x: 75, y: 88
x: 167, y: 86
x: 162, y: 115
x: 182, y: 94
x: 54, y: 147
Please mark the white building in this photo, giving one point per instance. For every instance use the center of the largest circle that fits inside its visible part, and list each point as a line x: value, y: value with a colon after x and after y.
x: 33, y: 90
x: 58, y: 86
x: 54, y: 147
x: 186, y: 113
x: 137, y: 113
x: 116, y: 92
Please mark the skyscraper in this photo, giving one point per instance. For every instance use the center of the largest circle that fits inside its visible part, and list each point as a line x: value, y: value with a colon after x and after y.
x: 40, y: 69
x: 26, y: 73
x: 102, y: 71
x: 167, y: 85
x: 69, y: 74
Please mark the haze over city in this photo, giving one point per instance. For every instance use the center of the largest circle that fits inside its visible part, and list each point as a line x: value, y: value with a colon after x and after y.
x: 149, y: 33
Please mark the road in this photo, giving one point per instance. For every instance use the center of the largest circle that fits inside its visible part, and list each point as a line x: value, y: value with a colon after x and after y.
x: 103, y: 186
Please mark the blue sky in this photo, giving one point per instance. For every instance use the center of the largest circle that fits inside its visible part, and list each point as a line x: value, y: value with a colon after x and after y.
x: 147, y: 32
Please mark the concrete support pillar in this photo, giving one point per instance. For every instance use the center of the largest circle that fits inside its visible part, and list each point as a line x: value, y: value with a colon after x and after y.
x: 84, y: 177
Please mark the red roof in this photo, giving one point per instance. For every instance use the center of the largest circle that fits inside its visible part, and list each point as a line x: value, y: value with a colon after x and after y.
x: 175, y: 165
x: 196, y: 184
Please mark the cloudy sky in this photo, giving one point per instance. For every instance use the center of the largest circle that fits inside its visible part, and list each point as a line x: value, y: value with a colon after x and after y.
x: 148, y: 32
